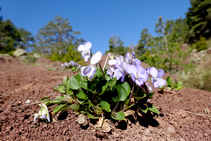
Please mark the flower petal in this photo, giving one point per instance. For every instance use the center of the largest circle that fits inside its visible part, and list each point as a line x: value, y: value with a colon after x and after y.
x: 81, y: 48
x: 144, y: 77
x: 96, y: 58
x: 160, y: 73
x: 154, y: 72
x: 137, y: 63
x: 130, y: 69
x: 86, y: 55
x: 86, y: 70
x: 161, y: 82
x: 35, y: 117
x: 112, y: 62
x: 87, y: 45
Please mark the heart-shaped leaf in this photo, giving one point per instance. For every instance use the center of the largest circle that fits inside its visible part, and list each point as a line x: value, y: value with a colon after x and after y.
x: 127, y: 87
x: 75, y: 107
x: 73, y: 83
x: 118, y: 116
x: 59, y: 108
x: 122, y: 94
x: 105, y: 106
x: 82, y: 95
x: 154, y: 109
x: 65, y: 80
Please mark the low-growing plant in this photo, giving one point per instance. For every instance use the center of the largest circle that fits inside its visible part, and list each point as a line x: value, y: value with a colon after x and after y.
x: 104, y: 92
x: 172, y: 84
x: 198, y: 78
x: 201, y: 44
x: 73, y: 66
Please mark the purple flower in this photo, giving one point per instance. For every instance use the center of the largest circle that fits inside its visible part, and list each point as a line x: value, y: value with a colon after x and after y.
x: 157, y: 81
x: 90, y: 70
x: 128, y: 58
x: 85, y: 50
x: 138, y: 74
x: 43, y: 113
x: 119, y: 73
x: 110, y: 72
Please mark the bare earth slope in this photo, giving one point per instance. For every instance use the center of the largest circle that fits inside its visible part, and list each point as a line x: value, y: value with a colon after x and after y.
x: 19, y: 82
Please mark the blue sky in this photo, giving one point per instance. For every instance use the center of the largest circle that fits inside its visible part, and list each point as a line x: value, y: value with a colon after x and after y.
x: 98, y: 20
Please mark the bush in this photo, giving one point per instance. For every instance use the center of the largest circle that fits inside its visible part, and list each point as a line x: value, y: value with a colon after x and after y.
x: 201, y: 44
x: 198, y: 79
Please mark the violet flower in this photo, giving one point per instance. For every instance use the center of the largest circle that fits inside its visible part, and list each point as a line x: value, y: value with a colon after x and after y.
x: 43, y: 113
x: 138, y: 73
x: 157, y: 81
x: 85, y: 50
x: 90, y: 70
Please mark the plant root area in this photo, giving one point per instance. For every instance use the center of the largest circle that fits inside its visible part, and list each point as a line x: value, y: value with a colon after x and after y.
x: 184, y: 114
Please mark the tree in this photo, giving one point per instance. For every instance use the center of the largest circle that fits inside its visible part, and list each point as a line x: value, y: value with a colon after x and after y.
x: 56, y: 37
x: 143, y: 42
x: 164, y: 51
x: 198, y: 19
x: 26, y: 40
x: 116, y: 45
x: 9, y: 36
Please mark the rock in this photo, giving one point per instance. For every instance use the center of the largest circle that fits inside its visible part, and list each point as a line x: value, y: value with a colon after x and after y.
x: 194, y: 51
x: 209, y: 50
x: 171, y: 129
x: 19, y: 52
x: 36, y: 55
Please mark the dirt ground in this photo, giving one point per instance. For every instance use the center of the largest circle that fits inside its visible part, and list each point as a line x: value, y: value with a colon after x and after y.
x: 182, y: 117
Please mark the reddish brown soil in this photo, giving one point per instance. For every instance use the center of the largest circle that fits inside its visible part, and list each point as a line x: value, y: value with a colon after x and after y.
x: 19, y: 82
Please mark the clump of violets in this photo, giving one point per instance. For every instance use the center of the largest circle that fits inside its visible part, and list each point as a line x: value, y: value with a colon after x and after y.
x: 129, y: 64
x: 74, y: 66
x: 107, y: 92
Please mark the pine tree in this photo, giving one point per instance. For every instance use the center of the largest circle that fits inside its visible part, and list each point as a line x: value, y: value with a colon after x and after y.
x: 198, y: 19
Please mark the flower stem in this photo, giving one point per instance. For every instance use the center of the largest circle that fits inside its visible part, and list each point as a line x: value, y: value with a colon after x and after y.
x: 102, y: 71
x: 115, y: 107
x: 131, y: 94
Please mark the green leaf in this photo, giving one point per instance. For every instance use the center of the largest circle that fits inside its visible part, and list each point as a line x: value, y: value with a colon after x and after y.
x: 59, y: 108
x: 105, y: 106
x: 127, y: 87
x: 154, y: 109
x: 169, y: 81
x: 144, y: 108
x: 44, y: 98
x: 75, y: 107
x: 91, y: 116
x: 48, y: 102
x: 150, y: 95
x: 122, y: 94
x: 107, y: 77
x: 98, y: 72
x: 139, y: 98
x: 62, y: 89
x: 118, y: 116
x: 179, y: 86
x: 87, y: 85
x: 104, y: 88
x: 70, y: 92
x: 112, y: 82
x: 82, y: 95
x: 65, y: 80
x: 56, y: 88
x: 73, y: 83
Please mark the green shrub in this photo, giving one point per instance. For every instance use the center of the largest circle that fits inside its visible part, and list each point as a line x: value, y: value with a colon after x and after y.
x: 198, y: 79
x: 30, y: 59
x: 201, y: 44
